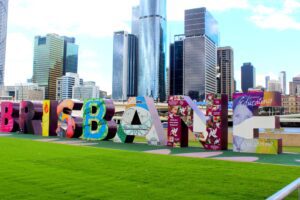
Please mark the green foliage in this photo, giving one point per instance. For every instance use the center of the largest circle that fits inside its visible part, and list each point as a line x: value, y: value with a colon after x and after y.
x: 36, y: 170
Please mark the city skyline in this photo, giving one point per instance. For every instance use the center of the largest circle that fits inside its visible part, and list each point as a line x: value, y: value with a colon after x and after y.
x: 250, y: 28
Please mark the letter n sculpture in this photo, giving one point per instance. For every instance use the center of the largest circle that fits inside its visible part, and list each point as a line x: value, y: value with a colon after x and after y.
x: 185, y: 116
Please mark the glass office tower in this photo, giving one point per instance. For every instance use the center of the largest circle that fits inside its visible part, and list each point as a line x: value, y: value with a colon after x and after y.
x: 3, y: 31
x: 282, y: 79
x: 200, y: 53
x: 152, y: 49
x: 267, y: 79
x: 135, y: 20
x: 70, y: 55
x: 48, y: 62
x: 124, y: 83
x: 248, y: 77
x: 176, y: 66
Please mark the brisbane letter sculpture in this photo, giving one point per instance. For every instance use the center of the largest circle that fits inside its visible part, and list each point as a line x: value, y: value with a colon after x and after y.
x: 93, y: 120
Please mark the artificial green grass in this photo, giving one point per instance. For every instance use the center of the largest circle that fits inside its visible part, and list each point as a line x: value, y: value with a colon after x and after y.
x: 37, y: 170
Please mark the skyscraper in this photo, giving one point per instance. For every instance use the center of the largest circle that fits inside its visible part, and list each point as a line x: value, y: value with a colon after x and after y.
x: 267, y: 79
x: 225, y: 63
x: 54, y: 56
x: 199, y: 22
x: 200, y: 53
x: 295, y: 86
x: 176, y: 66
x: 3, y: 32
x: 248, y: 77
x: 70, y: 55
x: 282, y: 79
x: 135, y: 20
x: 152, y: 49
x: 124, y: 66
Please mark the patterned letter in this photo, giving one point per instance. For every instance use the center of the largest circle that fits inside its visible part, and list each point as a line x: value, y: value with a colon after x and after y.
x: 97, y: 119
x: 9, y: 116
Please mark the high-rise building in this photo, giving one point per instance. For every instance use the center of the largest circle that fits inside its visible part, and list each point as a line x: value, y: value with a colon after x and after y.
x: 124, y: 82
x: 168, y: 82
x: 70, y: 55
x: 226, y: 67
x: 248, y: 77
x: 267, y: 79
x: 64, y: 88
x: 282, y: 80
x: 176, y: 66
x: 48, y: 62
x: 86, y: 91
x: 199, y: 22
x: 135, y: 20
x: 3, y: 32
x: 274, y: 86
x: 200, y: 53
x: 295, y: 86
x: 152, y: 49
x: 54, y: 56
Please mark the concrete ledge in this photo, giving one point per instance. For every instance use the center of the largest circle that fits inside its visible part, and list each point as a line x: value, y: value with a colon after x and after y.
x: 292, y: 140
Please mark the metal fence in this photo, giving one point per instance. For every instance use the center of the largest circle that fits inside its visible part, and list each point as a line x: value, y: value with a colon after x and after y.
x: 287, y: 190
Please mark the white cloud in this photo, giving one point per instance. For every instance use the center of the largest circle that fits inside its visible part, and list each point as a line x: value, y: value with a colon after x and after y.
x: 92, y: 18
x: 274, y: 18
x: 291, y: 5
x: 92, y: 69
x: 19, y: 56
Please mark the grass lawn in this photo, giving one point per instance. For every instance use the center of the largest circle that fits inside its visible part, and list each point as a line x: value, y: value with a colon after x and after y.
x: 37, y: 170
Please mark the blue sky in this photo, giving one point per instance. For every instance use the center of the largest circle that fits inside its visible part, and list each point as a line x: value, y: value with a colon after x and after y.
x: 262, y: 32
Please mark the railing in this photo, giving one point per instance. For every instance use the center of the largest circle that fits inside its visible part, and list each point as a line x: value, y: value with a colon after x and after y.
x: 286, y: 191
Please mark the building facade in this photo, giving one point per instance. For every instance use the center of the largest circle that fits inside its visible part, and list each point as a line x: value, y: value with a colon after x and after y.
x: 24, y: 91
x: 124, y: 83
x: 274, y: 86
x: 152, y: 49
x: 199, y: 22
x: 226, y: 67
x: 135, y: 20
x: 200, y: 53
x: 54, y: 56
x: 65, y: 84
x: 176, y: 66
x: 295, y: 86
x: 102, y: 94
x: 291, y: 104
x: 29, y: 91
x: 48, y: 62
x: 282, y: 80
x: 267, y: 79
x: 3, y: 32
x: 248, y: 77
x: 70, y: 55
x: 7, y: 92
x: 86, y: 91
